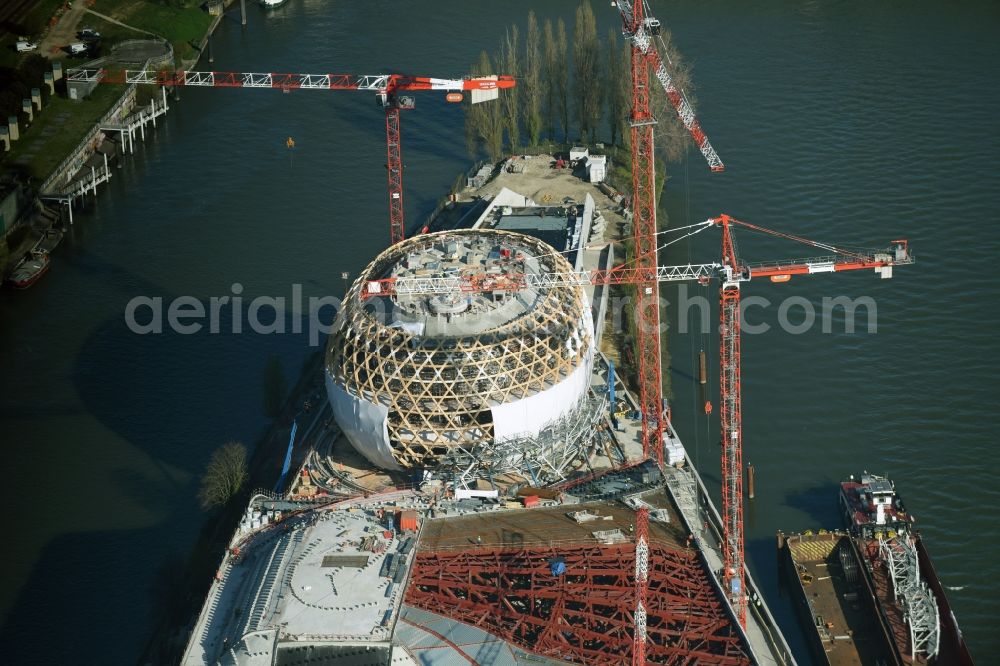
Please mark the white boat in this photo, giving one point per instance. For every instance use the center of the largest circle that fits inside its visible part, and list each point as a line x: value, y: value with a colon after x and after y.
x: 271, y: 4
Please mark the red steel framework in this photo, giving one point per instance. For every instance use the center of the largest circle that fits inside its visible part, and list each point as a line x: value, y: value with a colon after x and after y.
x: 387, y: 87
x: 585, y: 615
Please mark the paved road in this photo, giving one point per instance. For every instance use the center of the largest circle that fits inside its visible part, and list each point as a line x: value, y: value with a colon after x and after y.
x: 63, y: 32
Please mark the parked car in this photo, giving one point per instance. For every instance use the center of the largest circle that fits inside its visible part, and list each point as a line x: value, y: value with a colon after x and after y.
x: 88, y: 34
x: 78, y: 48
x: 23, y: 46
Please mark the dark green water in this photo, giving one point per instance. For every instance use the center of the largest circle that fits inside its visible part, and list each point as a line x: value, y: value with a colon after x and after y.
x: 855, y: 123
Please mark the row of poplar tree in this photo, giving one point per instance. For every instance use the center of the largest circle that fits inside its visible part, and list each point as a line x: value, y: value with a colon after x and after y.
x: 584, y: 94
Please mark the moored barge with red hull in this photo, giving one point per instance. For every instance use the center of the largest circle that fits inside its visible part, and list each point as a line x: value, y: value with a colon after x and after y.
x: 898, y: 573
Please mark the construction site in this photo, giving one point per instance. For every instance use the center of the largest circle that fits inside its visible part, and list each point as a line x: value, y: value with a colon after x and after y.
x: 480, y: 485
x: 476, y: 487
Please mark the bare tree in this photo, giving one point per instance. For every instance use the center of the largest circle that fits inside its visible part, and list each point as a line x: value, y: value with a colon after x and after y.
x: 623, y: 91
x: 484, y: 122
x: 672, y: 138
x: 617, y: 78
x: 531, y: 76
x: 552, y: 66
x: 587, y: 93
x: 224, y: 477
x: 562, y: 74
x: 507, y: 61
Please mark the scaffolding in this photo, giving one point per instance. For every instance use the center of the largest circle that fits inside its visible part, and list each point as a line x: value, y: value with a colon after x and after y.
x: 545, y: 458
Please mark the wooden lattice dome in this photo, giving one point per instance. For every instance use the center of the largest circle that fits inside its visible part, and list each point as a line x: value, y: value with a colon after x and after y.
x: 439, y: 365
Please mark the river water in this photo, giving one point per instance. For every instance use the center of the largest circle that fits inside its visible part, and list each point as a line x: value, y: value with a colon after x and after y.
x: 853, y: 123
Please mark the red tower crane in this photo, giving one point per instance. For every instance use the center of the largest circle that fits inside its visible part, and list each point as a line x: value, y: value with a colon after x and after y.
x: 732, y: 271
x: 642, y: 31
x: 388, y: 89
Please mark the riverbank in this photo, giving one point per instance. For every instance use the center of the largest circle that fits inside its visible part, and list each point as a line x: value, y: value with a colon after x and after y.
x: 190, y: 584
x: 64, y: 132
x: 59, y: 123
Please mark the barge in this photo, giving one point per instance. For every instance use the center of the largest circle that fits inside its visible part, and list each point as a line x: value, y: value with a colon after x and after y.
x: 899, y: 575
x: 838, y: 614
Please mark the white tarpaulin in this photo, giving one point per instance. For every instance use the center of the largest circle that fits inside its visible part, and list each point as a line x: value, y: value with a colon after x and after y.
x: 364, y: 423
x: 530, y: 415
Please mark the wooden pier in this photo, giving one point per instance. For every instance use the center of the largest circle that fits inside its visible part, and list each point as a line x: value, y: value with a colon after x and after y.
x: 95, y: 170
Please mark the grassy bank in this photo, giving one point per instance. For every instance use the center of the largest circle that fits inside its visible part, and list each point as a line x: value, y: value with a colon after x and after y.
x: 62, y: 123
x: 37, y: 19
x: 57, y: 130
x: 182, y: 26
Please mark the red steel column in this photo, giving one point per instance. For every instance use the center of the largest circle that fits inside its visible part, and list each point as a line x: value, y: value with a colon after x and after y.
x: 731, y: 424
x: 644, y: 231
x: 394, y: 169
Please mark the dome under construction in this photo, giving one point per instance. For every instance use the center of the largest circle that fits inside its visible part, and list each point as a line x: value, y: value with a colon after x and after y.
x: 420, y: 380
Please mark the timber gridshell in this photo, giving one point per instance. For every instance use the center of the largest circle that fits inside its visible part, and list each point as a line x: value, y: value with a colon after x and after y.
x: 439, y: 389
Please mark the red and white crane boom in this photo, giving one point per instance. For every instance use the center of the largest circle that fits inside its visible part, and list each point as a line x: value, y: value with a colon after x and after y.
x: 642, y: 31
x: 387, y: 88
x: 516, y: 281
x: 732, y: 269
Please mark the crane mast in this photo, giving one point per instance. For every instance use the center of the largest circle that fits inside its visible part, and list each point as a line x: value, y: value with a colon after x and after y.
x: 642, y: 31
x: 731, y: 427
x: 394, y: 172
x: 647, y: 320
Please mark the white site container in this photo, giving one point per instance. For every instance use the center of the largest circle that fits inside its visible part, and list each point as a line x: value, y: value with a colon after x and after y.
x: 597, y: 166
